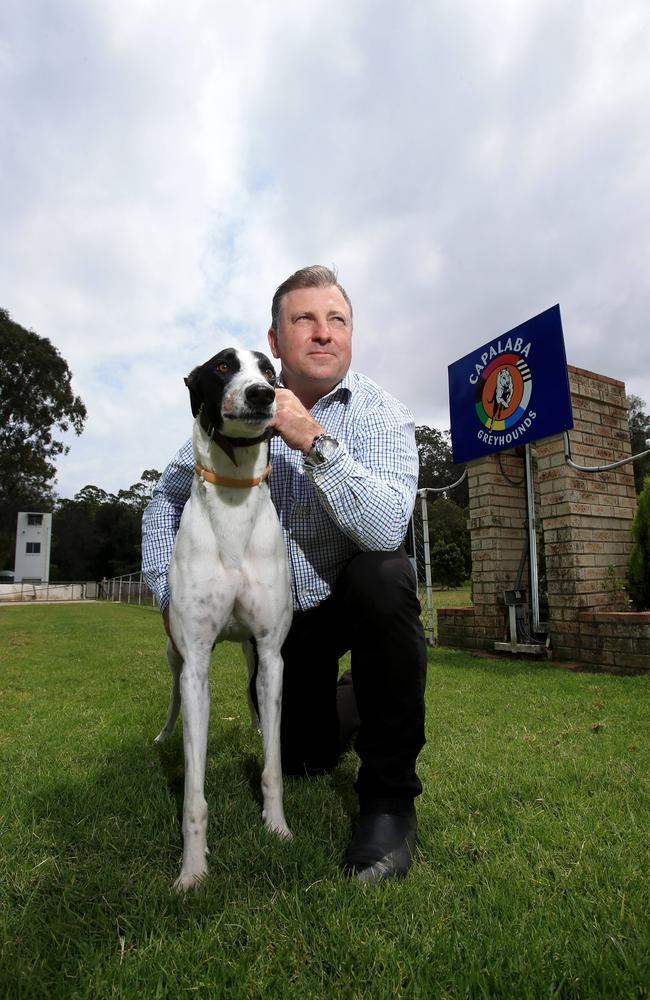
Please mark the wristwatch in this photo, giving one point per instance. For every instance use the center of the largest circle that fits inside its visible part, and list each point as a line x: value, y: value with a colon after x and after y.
x: 322, y: 448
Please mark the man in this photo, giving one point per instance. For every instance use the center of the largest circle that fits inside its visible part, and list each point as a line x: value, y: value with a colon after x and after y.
x: 345, y: 469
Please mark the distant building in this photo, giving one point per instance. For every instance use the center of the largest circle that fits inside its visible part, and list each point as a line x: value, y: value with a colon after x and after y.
x: 33, y: 540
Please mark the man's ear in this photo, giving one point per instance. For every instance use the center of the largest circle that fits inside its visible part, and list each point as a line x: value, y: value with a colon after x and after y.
x: 273, y: 342
x: 192, y: 383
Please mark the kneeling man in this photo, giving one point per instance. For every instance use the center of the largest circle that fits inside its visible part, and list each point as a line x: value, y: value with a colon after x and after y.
x: 345, y: 469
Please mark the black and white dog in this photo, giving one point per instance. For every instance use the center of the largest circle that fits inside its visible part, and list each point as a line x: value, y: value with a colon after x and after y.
x: 229, y: 579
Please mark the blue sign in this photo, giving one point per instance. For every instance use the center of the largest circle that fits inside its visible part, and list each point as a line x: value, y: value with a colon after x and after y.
x: 511, y: 391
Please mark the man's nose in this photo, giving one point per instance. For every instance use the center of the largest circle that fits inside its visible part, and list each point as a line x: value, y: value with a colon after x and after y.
x: 321, y: 330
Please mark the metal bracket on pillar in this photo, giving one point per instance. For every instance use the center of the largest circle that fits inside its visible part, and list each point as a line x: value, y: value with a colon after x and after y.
x: 520, y: 640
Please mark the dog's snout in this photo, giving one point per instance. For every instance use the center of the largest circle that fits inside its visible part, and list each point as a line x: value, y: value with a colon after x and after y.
x: 260, y: 395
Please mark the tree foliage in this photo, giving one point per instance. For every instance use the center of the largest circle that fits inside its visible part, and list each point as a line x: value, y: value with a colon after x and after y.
x: 447, y: 512
x: 449, y: 540
x: 437, y: 468
x: 639, y: 422
x: 98, y: 534
x: 36, y: 401
x: 447, y: 564
x: 638, y: 577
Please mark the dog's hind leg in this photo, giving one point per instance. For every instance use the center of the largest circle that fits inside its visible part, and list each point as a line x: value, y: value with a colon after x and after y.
x: 269, y: 699
x: 175, y: 661
x: 250, y: 655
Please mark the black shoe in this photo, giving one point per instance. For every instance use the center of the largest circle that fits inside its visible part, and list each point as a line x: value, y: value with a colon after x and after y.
x: 382, y: 847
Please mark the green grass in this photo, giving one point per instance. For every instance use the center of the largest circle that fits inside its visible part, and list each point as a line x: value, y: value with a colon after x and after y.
x: 531, y: 879
x: 460, y: 597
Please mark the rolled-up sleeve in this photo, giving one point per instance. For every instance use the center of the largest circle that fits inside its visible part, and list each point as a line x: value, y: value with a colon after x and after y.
x: 370, y: 494
x: 161, y: 519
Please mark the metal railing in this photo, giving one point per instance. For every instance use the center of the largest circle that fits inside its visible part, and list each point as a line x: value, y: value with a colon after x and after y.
x: 28, y: 593
x: 422, y: 561
x: 128, y: 589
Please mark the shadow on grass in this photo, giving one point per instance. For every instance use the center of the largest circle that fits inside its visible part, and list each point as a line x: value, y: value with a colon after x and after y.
x: 249, y: 767
x: 96, y: 869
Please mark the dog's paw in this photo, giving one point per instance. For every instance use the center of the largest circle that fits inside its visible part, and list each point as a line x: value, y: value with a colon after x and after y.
x: 162, y: 735
x: 281, y: 830
x: 189, y: 880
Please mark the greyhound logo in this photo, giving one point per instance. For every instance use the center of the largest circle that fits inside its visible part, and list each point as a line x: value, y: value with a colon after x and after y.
x: 503, y: 392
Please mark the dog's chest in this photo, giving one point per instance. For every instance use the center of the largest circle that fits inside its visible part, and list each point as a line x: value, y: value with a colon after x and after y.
x: 221, y: 531
x: 228, y: 562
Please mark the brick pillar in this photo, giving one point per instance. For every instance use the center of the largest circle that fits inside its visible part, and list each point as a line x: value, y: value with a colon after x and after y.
x: 586, y: 517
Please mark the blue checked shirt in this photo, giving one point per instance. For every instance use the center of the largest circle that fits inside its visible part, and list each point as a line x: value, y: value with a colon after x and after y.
x: 359, y: 499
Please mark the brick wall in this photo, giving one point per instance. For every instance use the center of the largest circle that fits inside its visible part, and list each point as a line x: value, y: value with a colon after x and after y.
x: 585, y: 519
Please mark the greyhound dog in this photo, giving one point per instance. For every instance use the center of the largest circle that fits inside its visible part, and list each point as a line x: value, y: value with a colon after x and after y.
x: 229, y: 579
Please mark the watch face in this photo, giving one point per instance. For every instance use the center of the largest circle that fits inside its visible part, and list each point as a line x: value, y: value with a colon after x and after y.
x: 326, y: 447
x: 322, y: 449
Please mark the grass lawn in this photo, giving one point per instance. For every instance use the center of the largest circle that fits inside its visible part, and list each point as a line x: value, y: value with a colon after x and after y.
x: 461, y: 597
x: 533, y: 871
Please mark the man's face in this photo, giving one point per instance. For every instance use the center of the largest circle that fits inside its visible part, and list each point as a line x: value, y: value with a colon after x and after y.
x: 314, y: 338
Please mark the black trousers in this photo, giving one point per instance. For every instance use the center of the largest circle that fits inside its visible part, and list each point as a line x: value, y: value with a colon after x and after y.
x: 374, y: 613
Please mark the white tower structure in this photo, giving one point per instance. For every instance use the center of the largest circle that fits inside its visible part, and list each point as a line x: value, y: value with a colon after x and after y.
x: 33, y: 541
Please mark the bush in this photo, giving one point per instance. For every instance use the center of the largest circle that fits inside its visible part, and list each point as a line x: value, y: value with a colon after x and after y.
x: 638, y: 574
x: 448, y: 524
x: 447, y: 564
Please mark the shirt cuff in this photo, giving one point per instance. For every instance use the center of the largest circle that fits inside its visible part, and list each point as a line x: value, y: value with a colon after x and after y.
x: 333, y: 472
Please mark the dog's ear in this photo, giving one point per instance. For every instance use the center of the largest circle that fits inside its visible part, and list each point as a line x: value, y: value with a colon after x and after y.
x: 192, y: 383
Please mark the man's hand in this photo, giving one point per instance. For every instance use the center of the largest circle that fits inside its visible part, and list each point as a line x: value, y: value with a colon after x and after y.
x: 294, y: 423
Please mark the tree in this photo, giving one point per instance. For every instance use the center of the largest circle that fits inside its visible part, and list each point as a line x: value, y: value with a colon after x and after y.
x: 448, y: 527
x: 639, y: 423
x: 98, y: 534
x: 447, y: 564
x: 139, y: 495
x: 638, y: 576
x: 36, y: 399
x: 437, y: 468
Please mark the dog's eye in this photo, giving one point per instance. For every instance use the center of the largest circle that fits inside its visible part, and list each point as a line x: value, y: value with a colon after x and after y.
x: 223, y: 367
x: 270, y: 375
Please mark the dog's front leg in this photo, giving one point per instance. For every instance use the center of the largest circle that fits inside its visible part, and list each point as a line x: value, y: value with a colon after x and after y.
x: 195, y: 696
x: 269, y: 699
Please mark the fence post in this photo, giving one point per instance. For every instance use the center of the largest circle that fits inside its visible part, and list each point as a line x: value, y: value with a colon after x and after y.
x: 427, y: 566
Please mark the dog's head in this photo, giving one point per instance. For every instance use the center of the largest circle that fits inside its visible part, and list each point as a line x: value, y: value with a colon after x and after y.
x: 235, y: 391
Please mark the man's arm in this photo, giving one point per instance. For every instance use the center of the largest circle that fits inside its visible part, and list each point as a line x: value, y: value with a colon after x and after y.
x: 160, y: 522
x: 370, y: 494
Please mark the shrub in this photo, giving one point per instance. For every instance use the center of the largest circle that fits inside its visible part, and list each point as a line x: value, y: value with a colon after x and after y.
x: 447, y: 564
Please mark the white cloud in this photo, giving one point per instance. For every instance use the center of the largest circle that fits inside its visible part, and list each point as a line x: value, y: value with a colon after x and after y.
x: 165, y: 166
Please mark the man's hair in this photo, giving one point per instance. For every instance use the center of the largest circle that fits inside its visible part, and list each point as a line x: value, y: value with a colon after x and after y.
x: 315, y: 276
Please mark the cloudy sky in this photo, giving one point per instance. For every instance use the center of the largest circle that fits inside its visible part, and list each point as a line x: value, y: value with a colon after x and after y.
x: 465, y: 165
